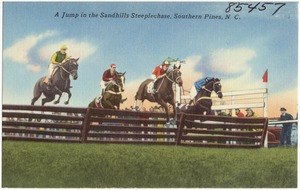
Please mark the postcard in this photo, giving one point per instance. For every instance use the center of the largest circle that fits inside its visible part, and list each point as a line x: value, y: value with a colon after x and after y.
x: 156, y: 58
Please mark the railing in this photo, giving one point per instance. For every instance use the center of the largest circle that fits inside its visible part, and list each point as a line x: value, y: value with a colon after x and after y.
x: 88, y: 125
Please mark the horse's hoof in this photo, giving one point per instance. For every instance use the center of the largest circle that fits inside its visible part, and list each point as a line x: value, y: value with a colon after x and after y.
x: 66, y: 102
x: 56, y: 102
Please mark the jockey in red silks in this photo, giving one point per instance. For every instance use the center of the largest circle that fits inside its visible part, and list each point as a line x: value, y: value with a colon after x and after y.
x: 108, y: 75
x: 159, y: 72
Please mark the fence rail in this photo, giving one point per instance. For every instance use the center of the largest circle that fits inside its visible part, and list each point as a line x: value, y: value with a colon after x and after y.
x: 88, y: 125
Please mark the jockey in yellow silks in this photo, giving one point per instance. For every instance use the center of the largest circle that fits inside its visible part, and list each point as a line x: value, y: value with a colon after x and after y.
x: 57, y: 58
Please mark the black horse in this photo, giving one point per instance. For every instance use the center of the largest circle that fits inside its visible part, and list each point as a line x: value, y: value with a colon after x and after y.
x: 202, y: 101
x: 164, y: 91
x: 61, y: 83
x: 112, y: 96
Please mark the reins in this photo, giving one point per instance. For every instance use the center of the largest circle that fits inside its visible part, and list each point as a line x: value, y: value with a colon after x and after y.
x: 64, y: 69
x: 172, y: 80
x: 113, y: 83
x: 210, y: 91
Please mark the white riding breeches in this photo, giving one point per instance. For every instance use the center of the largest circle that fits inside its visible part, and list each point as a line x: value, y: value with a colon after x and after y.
x: 51, y: 68
x: 193, y: 92
x: 103, y: 84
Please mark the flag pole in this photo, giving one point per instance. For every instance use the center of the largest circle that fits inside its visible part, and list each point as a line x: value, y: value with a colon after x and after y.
x: 265, y: 80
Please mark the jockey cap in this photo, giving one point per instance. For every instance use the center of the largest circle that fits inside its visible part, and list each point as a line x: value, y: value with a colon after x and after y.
x: 166, y: 63
x: 113, y: 65
x: 63, y: 47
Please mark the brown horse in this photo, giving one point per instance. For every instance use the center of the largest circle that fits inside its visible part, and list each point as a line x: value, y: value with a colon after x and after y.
x: 112, y: 96
x: 164, y: 91
x: 202, y: 101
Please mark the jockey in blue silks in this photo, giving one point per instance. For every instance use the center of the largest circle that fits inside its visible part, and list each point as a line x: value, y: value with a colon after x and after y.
x: 198, y: 86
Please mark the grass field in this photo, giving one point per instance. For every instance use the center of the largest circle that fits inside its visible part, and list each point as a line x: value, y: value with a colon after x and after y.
x: 48, y: 165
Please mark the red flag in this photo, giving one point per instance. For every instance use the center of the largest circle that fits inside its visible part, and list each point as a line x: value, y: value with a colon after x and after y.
x: 265, y: 77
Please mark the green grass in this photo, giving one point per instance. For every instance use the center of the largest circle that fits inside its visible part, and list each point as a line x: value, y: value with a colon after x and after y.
x: 53, y: 165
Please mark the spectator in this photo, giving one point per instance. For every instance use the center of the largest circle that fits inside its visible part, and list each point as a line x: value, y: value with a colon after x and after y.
x: 238, y: 113
x: 221, y: 113
x: 250, y: 113
x: 286, y: 131
x: 229, y: 113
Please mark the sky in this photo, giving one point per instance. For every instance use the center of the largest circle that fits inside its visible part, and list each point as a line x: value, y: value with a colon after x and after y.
x: 237, y: 50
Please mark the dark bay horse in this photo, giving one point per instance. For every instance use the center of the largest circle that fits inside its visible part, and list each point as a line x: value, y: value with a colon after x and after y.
x: 112, y: 96
x: 61, y: 83
x: 202, y: 101
x: 164, y: 91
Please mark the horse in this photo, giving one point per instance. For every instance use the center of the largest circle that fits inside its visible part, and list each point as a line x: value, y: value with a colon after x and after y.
x: 164, y: 91
x: 202, y: 101
x: 112, y: 96
x: 61, y: 83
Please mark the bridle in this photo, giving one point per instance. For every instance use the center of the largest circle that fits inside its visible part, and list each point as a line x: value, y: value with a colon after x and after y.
x: 65, y: 70
x: 210, y: 91
x: 214, y: 88
x: 172, y: 79
x: 113, y: 82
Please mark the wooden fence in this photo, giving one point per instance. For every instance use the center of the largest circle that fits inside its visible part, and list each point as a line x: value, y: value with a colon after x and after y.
x: 87, y: 125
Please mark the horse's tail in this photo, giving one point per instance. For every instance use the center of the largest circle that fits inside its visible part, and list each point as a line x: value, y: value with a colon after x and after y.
x: 37, y: 91
x: 142, y: 89
x: 92, y: 104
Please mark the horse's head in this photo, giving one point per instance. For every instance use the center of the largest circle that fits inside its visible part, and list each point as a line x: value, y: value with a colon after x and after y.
x: 175, y: 76
x: 120, y: 81
x: 214, y: 85
x: 217, y: 87
x: 71, y: 67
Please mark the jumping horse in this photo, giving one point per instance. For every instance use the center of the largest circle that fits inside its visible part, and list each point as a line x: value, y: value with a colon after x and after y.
x: 61, y: 83
x: 112, y: 96
x: 202, y: 101
x: 164, y: 91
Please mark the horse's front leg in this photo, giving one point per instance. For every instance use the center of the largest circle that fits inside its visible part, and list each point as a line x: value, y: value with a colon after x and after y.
x: 107, y: 102
x: 69, y: 96
x: 173, y: 103
x: 165, y: 106
x: 208, y: 108
x: 57, y: 101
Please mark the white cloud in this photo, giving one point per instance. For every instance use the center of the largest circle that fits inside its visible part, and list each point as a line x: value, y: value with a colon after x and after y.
x: 19, y: 52
x: 189, y: 73
x: 76, y: 49
x: 245, y: 81
x: 231, y: 61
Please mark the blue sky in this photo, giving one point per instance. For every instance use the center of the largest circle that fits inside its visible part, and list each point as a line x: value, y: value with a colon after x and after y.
x: 235, y: 50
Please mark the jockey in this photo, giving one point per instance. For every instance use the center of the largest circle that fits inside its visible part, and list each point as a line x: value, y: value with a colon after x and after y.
x: 108, y: 75
x: 198, y: 86
x: 57, y: 58
x: 159, y: 72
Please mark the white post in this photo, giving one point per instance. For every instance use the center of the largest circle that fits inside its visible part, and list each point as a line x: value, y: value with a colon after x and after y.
x: 177, y: 94
x: 266, y: 113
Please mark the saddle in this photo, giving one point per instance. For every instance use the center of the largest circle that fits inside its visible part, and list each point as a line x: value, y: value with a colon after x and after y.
x: 98, y: 101
x: 46, y: 79
x: 150, y: 88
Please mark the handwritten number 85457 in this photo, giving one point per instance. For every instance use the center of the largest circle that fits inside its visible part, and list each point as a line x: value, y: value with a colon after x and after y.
x: 237, y: 7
